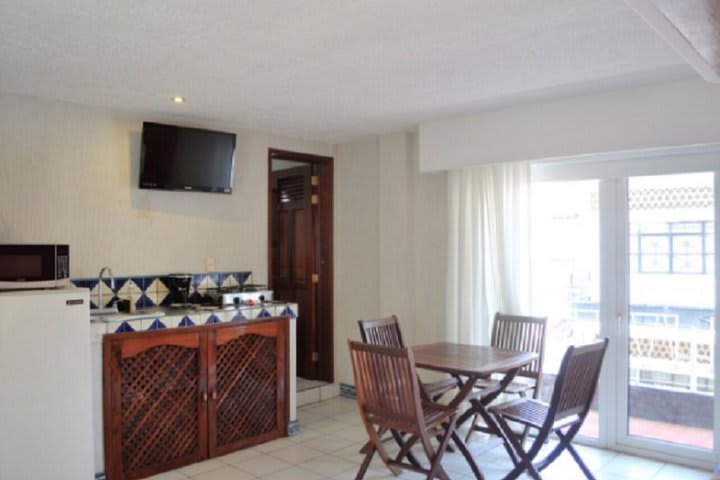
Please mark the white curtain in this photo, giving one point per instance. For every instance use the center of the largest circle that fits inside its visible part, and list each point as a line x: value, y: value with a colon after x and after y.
x: 489, y: 248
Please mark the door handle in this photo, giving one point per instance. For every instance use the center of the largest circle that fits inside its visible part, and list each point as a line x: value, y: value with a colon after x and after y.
x: 214, y: 395
x: 204, y: 396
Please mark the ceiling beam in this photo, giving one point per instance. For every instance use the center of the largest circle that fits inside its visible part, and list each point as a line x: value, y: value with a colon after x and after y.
x: 691, y: 27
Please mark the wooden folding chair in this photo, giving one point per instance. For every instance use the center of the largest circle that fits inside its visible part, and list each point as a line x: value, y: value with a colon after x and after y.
x: 386, y: 331
x: 572, y: 396
x: 388, y: 394
x: 523, y: 334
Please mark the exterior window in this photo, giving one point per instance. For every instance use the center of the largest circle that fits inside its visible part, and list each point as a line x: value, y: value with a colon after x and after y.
x: 671, y: 247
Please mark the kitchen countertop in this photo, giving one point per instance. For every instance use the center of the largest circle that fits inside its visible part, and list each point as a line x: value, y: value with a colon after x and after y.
x: 166, y: 317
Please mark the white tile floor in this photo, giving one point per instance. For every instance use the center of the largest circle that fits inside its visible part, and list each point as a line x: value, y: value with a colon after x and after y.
x: 331, y: 435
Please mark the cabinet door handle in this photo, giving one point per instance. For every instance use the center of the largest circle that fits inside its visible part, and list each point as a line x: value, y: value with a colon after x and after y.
x: 204, y: 396
x: 214, y: 395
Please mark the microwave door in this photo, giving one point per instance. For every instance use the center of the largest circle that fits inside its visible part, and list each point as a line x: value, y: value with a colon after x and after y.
x: 27, y: 266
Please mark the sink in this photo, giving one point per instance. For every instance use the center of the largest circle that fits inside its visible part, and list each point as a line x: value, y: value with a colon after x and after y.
x: 124, y: 317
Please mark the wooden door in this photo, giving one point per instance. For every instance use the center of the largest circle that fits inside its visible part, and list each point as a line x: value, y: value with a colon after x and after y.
x: 293, y: 257
x: 300, y: 252
x: 247, y: 380
x: 155, y: 402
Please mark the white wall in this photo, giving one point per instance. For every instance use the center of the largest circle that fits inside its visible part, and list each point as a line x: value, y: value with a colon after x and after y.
x: 413, y: 240
x: 430, y: 259
x: 397, y: 221
x: 655, y: 116
x: 356, y: 246
x: 391, y: 237
x: 69, y: 174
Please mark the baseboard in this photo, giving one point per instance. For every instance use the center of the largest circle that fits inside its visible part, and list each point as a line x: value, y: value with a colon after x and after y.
x: 347, y: 391
x: 293, y: 428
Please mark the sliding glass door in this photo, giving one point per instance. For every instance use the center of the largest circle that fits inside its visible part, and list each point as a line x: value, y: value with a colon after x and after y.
x: 671, y: 310
x: 633, y: 258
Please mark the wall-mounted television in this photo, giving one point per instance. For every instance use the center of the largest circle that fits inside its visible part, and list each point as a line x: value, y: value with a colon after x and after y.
x: 182, y: 158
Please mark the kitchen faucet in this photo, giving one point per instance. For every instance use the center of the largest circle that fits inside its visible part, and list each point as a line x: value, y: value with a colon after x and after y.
x: 101, y: 305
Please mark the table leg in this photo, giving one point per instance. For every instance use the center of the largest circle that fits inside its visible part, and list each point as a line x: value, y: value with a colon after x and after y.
x: 479, y: 405
x: 465, y: 392
x: 486, y: 397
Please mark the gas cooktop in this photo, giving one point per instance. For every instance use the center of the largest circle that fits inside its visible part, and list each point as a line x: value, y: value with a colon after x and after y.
x: 238, y: 296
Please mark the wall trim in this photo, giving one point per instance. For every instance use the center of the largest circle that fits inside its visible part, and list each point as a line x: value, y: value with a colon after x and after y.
x: 655, y: 161
x: 347, y: 391
x: 293, y: 428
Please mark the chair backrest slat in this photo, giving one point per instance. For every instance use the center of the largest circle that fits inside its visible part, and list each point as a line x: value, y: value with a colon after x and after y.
x: 524, y: 334
x: 577, y: 380
x: 383, y: 331
x: 386, y: 384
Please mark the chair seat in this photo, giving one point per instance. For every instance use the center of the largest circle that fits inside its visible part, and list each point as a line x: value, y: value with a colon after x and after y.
x: 513, y: 387
x: 525, y: 410
x: 435, y: 389
x: 433, y: 414
x: 531, y: 412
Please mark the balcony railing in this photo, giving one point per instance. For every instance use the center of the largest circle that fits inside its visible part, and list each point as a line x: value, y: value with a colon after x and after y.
x: 667, y: 349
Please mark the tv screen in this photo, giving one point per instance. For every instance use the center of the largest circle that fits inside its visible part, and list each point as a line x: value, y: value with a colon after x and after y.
x: 181, y: 158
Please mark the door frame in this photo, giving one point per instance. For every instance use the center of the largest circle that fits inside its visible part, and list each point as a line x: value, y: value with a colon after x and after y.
x: 323, y: 219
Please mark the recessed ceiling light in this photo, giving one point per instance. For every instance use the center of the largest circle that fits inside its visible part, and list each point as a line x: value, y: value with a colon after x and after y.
x: 178, y: 99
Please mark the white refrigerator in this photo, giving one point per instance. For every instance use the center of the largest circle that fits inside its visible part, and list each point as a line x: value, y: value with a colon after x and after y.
x: 45, y: 395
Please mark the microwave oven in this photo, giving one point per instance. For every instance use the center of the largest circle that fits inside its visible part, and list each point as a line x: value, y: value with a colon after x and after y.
x: 24, y: 266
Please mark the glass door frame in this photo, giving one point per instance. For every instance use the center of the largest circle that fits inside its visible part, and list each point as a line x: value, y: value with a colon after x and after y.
x: 619, y: 332
x: 613, y: 285
x: 612, y: 173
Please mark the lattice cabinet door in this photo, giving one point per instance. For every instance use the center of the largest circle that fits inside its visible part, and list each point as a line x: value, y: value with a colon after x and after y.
x: 247, y: 381
x: 155, y: 402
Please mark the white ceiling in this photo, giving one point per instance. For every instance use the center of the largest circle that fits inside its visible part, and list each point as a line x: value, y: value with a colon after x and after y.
x: 324, y: 69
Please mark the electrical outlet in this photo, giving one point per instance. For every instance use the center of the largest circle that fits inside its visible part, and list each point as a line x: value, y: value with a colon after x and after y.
x: 210, y: 264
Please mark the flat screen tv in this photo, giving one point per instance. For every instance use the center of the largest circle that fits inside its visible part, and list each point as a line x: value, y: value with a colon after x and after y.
x: 181, y: 158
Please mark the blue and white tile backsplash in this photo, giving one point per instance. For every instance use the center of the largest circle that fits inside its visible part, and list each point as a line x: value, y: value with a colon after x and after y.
x: 151, y: 291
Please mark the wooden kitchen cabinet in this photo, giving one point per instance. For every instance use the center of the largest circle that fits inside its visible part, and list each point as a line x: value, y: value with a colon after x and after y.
x: 177, y: 396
